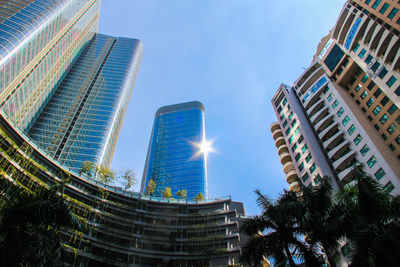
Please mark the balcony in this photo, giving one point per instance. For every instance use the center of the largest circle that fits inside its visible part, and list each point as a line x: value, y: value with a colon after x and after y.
x: 283, y: 149
x: 321, y: 125
x: 343, y: 162
x: 339, y: 150
x: 279, y: 142
x: 346, y: 175
x: 328, y: 131
x: 275, y: 126
x: 323, y: 112
x: 291, y: 177
x: 295, y: 187
x: 333, y: 141
x: 288, y: 166
x: 285, y: 157
x: 314, y: 108
x: 277, y: 133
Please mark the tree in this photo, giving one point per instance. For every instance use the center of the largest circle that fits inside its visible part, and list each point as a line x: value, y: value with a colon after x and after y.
x: 276, y: 233
x: 151, y: 186
x: 88, y: 168
x: 104, y: 174
x: 199, y: 197
x: 128, y: 179
x: 29, y: 225
x: 166, y: 193
x: 371, y: 223
x: 181, y: 194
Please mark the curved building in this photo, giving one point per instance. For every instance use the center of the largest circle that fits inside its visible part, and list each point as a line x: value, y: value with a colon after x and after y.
x: 174, y: 158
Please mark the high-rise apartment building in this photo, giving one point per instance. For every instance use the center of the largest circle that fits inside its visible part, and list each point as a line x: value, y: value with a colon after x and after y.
x: 62, y: 83
x: 174, y: 158
x: 345, y: 106
x: 82, y: 120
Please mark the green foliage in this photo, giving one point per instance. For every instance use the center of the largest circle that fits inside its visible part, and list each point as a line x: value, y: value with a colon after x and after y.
x: 128, y: 178
x: 199, y: 197
x: 181, y: 194
x: 166, y: 193
x: 151, y: 186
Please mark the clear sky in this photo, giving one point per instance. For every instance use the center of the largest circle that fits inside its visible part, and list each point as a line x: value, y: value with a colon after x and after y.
x: 231, y: 55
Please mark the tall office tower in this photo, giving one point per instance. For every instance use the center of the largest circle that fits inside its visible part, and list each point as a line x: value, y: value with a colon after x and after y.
x: 174, y: 159
x: 39, y: 40
x: 349, y: 97
x: 83, y: 118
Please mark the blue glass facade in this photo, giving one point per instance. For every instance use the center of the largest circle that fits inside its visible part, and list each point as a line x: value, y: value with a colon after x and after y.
x: 83, y: 118
x: 173, y: 159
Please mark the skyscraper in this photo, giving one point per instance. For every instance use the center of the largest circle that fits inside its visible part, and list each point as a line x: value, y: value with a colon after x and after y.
x: 174, y: 158
x: 348, y: 99
x: 82, y: 120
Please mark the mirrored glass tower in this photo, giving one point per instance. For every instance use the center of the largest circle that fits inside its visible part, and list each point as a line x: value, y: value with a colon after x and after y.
x: 173, y: 159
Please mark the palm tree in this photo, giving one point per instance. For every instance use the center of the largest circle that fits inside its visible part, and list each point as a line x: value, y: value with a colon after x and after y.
x: 372, y: 222
x: 29, y: 225
x: 276, y: 233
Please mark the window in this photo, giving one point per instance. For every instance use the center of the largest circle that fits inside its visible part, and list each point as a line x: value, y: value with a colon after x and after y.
x: 367, y: 2
x: 379, y: 174
x: 397, y: 91
x: 370, y: 102
x: 376, y: 4
x: 358, y: 87
x: 364, y: 150
x: 330, y: 96
x: 362, y: 53
x: 397, y: 139
x: 384, y: 8
x: 383, y: 73
x: 377, y: 110
x: 364, y: 79
x: 305, y: 177
x: 377, y: 93
x: 371, y: 85
x: 287, y: 131
x: 294, y: 147
x: 398, y: 120
x: 356, y: 47
x: 304, y: 148
x: 384, y: 119
x: 334, y: 105
x: 364, y: 94
x: 308, y: 158
x: 301, y: 138
x: 391, y: 81
x: 388, y: 187
x: 384, y: 136
x: 290, y: 139
x: 393, y: 13
x: 290, y: 115
x: 392, y: 128
x: 296, y: 132
x: 392, y: 109
x: 392, y: 147
x: 312, y: 168
x: 297, y: 157
x: 375, y: 66
x: 351, y: 129
x: 284, y: 101
x: 279, y: 109
x: 294, y: 122
x: 345, y: 120
x: 371, y: 162
x: 340, y: 112
x: 301, y: 166
x: 282, y: 116
x: 317, y: 179
x: 357, y: 140
x: 384, y: 100
x: 377, y: 127
x: 326, y: 89
x: 334, y: 57
x: 368, y: 59
x: 285, y: 123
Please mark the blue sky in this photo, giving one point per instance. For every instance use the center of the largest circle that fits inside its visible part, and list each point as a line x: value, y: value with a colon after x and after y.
x: 231, y: 55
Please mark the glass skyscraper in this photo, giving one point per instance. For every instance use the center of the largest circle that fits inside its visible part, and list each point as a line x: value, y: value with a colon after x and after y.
x: 62, y: 83
x: 173, y: 159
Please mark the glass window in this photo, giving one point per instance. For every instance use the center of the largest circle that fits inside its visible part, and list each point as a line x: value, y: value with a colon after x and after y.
x: 397, y: 91
x: 340, y: 112
x: 364, y: 150
x: 367, y: 2
x: 358, y: 87
x: 301, y: 138
x: 376, y: 4
x: 398, y: 120
x: 384, y: 136
x: 296, y: 132
x: 357, y: 140
x: 371, y: 85
x: 364, y: 79
x: 392, y: 109
x: 301, y: 166
x: 391, y: 81
x: 305, y: 177
x: 371, y: 162
x: 282, y: 116
x: 379, y: 174
x: 356, y: 47
x: 334, y: 57
x: 364, y: 94
x: 290, y: 115
x: 388, y: 187
x: 284, y: 101
x: 375, y: 66
x: 397, y: 139
x: 384, y: 100
x: 285, y: 123
x: 362, y: 53
x: 377, y: 110
x: 279, y: 109
x: 384, y: 119
x: 290, y: 139
x: 377, y: 93
x: 304, y: 148
x: 312, y: 168
x: 370, y: 102
x: 334, y: 105
x: 294, y: 147
x: 368, y: 59
x: 383, y: 73
x: 351, y: 129
x: 308, y: 158
x: 287, y: 131
x: 294, y: 122
x: 330, y: 96
x: 393, y: 13
x: 345, y: 120
x: 297, y: 157
x: 392, y: 128
x: 384, y: 8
